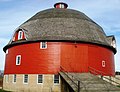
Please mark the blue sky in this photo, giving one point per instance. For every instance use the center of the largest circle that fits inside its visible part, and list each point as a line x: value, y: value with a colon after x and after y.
x: 14, y: 12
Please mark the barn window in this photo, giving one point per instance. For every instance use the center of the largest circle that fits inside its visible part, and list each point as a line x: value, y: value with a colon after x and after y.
x: 25, y: 80
x: 56, y: 79
x: 103, y: 63
x: 39, y: 79
x: 43, y: 45
x: 14, y: 78
x: 20, y: 35
x: 18, y: 59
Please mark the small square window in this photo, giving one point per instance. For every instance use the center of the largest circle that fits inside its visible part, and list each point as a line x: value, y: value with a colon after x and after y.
x: 18, y: 59
x: 14, y: 78
x: 56, y: 79
x: 25, y: 79
x: 39, y: 79
x: 20, y: 35
x: 43, y: 45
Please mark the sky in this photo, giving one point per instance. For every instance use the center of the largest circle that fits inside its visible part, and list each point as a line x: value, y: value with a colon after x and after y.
x: 13, y: 13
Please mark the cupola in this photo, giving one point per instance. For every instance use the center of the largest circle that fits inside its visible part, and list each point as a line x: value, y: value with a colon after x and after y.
x: 61, y: 5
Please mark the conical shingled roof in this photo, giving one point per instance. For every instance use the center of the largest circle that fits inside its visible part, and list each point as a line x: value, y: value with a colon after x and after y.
x: 63, y: 25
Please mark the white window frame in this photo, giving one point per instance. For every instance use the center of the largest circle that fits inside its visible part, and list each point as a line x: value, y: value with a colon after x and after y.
x: 43, y: 43
x: 14, y: 78
x: 54, y: 79
x: 103, y: 63
x: 62, y: 6
x: 20, y: 35
x: 24, y: 79
x: 18, y: 56
x: 42, y: 79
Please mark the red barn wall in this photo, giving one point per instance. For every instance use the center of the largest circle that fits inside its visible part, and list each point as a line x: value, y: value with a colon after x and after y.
x: 33, y: 59
x: 97, y: 55
x: 73, y: 57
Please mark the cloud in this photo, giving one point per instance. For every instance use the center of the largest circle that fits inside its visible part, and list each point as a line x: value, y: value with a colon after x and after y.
x: 9, y: 23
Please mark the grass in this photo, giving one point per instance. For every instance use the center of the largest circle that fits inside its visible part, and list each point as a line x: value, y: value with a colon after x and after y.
x: 118, y: 86
x: 4, y: 90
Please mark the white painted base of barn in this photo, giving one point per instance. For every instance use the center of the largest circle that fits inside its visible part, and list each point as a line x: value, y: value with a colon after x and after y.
x: 31, y: 83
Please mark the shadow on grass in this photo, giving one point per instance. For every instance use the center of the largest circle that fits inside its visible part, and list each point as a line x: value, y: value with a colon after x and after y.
x: 4, y: 90
x: 118, y: 86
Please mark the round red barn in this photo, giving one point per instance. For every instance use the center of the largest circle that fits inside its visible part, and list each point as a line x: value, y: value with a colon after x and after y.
x: 56, y: 39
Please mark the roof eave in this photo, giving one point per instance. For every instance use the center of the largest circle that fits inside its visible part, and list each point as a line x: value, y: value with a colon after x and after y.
x: 33, y: 41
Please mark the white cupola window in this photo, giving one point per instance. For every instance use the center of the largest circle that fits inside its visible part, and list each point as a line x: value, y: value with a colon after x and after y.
x: 20, y: 35
x: 62, y: 6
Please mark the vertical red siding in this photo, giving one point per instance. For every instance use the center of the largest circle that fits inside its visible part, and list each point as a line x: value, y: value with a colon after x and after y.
x: 33, y: 59
x: 99, y: 54
x: 74, y: 57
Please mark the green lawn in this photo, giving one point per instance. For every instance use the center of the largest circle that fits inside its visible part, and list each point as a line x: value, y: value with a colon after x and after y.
x: 3, y: 90
x: 119, y: 86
